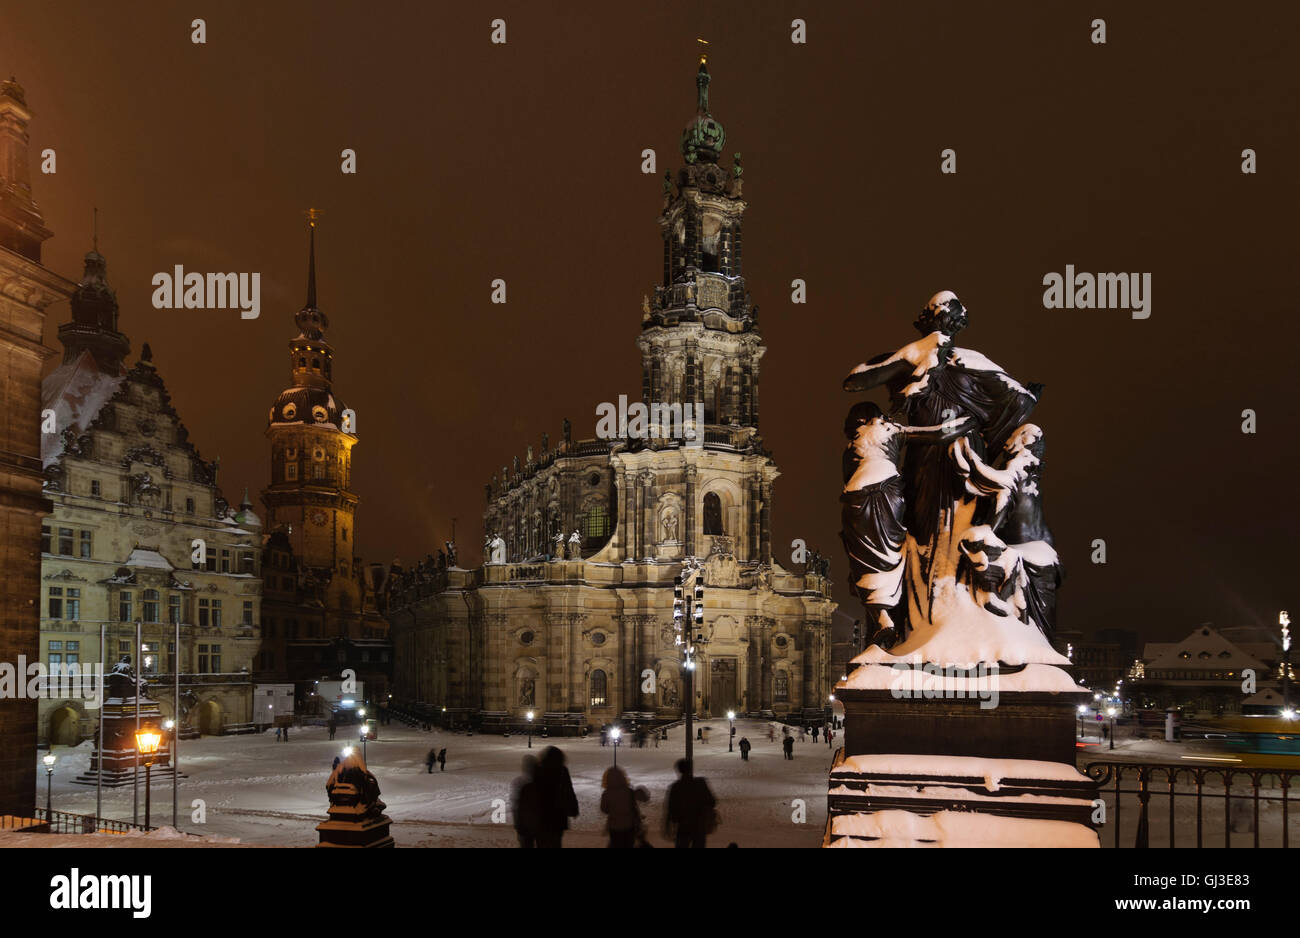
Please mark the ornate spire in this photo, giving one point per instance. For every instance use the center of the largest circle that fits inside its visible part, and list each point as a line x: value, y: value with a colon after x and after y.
x: 312, y: 323
x: 704, y: 137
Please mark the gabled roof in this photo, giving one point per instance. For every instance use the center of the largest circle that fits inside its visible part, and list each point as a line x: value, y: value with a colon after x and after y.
x: 1204, y: 649
x: 76, y: 391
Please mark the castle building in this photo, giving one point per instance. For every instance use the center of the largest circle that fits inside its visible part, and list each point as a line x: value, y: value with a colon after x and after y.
x: 26, y: 290
x: 320, y: 612
x: 571, y: 615
x: 140, y: 536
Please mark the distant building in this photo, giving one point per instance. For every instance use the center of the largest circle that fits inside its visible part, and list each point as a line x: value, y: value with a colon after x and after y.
x: 320, y: 613
x: 132, y: 497
x: 1204, y: 673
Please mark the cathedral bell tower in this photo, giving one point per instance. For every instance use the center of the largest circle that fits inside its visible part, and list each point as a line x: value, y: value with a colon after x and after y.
x: 700, y: 342
x: 312, y: 434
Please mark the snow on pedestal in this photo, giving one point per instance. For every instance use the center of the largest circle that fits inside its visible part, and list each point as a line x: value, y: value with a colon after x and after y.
x: 356, y: 815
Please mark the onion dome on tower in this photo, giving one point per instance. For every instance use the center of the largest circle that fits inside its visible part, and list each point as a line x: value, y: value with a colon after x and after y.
x: 311, y: 361
x: 93, y: 326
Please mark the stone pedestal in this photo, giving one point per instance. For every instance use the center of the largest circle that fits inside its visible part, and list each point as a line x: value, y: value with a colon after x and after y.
x: 945, y: 771
x: 116, y: 764
x: 356, y: 815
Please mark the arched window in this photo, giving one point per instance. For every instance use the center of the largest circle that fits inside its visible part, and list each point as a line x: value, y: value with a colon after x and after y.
x: 599, y: 691
x: 712, y: 513
x: 781, y: 686
x: 595, y: 524
x: 150, y: 605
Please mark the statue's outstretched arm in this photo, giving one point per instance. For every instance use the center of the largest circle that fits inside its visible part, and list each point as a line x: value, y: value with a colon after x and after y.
x: 880, y: 370
x: 941, y: 433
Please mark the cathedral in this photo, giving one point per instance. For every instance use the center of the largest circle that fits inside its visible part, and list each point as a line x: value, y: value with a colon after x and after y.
x: 571, y: 614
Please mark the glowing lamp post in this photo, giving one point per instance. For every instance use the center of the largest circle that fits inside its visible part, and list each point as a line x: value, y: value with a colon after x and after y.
x: 365, y: 731
x: 1110, y: 712
x: 146, y: 744
x: 731, y: 735
x: 614, y: 734
x: 49, y: 761
x: 530, y: 729
x: 1284, y: 620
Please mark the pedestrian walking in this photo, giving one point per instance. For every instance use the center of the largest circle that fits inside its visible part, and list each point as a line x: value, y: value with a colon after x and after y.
x: 618, y: 802
x: 690, y: 814
x: 744, y: 748
x: 337, y: 760
x: 803, y: 736
x: 430, y: 759
x: 524, y: 803
x: 814, y: 734
x: 788, y: 745
x: 442, y: 760
x: 286, y: 734
x: 277, y: 734
x: 556, y: 802
x: 333, y: 728
x: 771, y: 733
x: 830, y: 737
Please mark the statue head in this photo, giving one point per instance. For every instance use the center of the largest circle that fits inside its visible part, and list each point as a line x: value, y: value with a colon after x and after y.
x: 944, y: 313
x: 860, y: 414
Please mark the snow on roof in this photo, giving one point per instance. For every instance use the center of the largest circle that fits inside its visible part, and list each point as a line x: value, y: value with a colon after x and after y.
x: 993, y: 771
x: 141, y: 557
x: 76, y: 391
x: 1203, y: 650
x: 1265, y: 698
x: 896, y: 828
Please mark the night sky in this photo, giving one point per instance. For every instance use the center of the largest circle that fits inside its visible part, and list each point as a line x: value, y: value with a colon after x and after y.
x: 522, y: 161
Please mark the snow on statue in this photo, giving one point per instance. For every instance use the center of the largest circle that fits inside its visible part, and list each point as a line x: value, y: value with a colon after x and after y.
x: 942, y: 513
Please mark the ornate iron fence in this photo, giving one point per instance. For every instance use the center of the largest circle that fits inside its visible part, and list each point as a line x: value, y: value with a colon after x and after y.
x: 1212, y: 790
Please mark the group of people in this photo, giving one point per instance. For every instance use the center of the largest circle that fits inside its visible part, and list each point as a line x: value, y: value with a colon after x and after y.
x: 282, y: 734
x: 543, y: 802
x: 436, y: 755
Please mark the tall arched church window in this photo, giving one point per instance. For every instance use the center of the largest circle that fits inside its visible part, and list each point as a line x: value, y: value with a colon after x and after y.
x: 599, y: 689
x: 712, y: 513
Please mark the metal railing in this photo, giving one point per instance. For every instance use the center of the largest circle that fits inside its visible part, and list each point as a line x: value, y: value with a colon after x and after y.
x: 61, y: 822
x: 1212, y: 790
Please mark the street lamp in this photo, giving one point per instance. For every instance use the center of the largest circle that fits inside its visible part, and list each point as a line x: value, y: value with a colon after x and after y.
x: 147, y: 739
x: 1284, y: 620
x: 1110, y: 712
x: 688, y: 622
x: 1083, y: 708
x: 49, y: 780
x: 731, y: 718
x: 530, y: 729
x: 614, y: 734
x: 365, y: 731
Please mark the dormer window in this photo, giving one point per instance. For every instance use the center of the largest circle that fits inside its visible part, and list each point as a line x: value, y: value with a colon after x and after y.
x: 319, y: 414
x: 290, y: 411
x: 315, y: 364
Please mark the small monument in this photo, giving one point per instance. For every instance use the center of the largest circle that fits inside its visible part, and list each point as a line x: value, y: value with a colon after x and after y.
x: 960, y: 704
x: 356, y: 815
x: 116, y: 764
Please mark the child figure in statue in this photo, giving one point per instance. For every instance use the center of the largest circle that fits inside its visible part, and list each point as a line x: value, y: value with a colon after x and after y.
x: 872, y: 507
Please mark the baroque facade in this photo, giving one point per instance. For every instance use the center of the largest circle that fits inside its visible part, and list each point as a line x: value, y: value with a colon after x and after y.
x: 26, y: 289
x: 321, y: 615
x: 571, y: 614
x: 140, y: 536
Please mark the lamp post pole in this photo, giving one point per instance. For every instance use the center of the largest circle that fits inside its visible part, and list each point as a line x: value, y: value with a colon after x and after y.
x: 688, y: 616
x: 530, y: 729
x: 1284, y: 620
x: 176, y: 718
x: 135, y: 775
x: 49, y: 782
x: 731, y: 730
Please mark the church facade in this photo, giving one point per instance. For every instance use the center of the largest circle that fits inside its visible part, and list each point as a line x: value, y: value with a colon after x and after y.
x: 571, y: 614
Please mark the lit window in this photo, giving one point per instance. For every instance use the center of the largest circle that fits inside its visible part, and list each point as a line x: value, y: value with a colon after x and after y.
x: 55, y: 610
x: 599, y: 690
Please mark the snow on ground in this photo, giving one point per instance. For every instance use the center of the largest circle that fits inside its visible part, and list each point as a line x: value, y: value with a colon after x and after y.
x: 273, y: 793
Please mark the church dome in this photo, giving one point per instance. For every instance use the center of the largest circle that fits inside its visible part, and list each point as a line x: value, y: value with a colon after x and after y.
x: 308, y: 406
x: 704, y: 136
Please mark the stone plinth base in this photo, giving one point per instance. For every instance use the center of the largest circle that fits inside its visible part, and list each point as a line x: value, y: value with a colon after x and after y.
x: 1034, y: 726
x: 354, y: 822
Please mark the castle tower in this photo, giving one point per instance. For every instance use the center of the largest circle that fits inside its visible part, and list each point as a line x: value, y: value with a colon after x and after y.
x: 93, y: 327
x: 311, y: 433
x: 26, y: 290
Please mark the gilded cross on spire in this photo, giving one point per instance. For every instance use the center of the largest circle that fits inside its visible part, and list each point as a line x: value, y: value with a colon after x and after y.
x: 704, y: 51
x: 312, y: 214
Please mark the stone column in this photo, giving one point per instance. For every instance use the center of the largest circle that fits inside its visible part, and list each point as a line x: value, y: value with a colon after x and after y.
x: 765, y: 522
x: 692, y: 475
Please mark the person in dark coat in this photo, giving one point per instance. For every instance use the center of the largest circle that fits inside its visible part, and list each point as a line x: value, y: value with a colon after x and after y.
x: 556, y: 800
x: 814, y: 731
x: 337, y: 760
x: 524, y: 803
x: 689, y: 816
x: 334, y: 726
x: 744, y: 748
x: 286, y: 734
x: 442, y: 760
x: 618, y: 803
x: 788, y: 745
x: 430, y: 760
